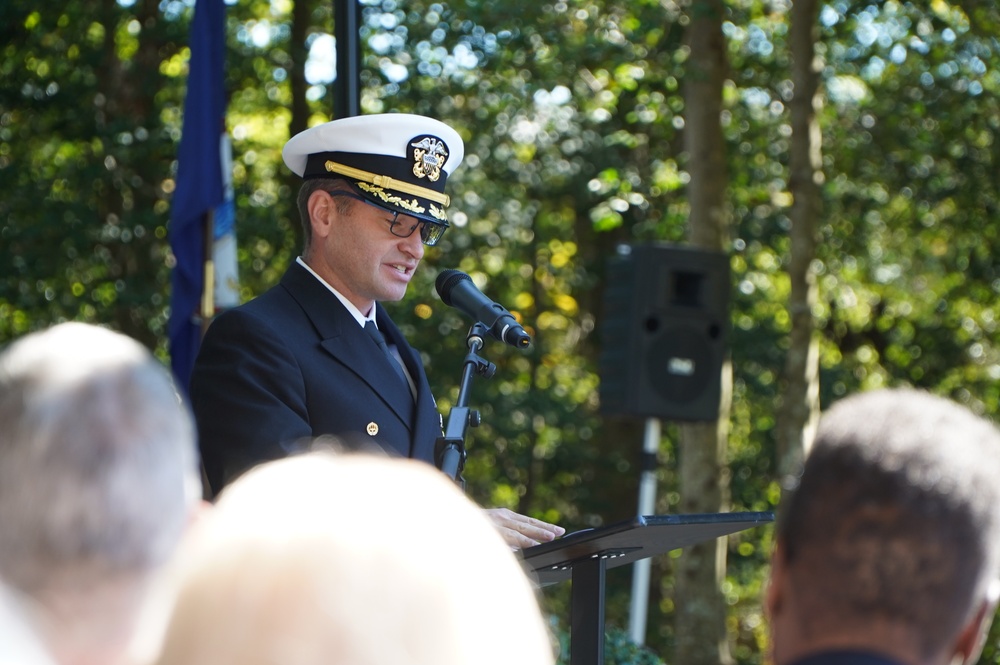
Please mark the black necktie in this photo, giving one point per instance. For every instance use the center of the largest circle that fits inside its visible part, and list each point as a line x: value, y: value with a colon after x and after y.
x: 376, y: 335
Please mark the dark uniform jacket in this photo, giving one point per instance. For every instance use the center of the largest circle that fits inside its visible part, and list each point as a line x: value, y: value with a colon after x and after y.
x: 294, y: 364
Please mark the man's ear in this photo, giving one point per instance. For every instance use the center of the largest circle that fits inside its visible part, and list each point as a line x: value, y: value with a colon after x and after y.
x: 774, y: 597
x: 320, y: 206
x: 973, y: 636
x: 778, y: 604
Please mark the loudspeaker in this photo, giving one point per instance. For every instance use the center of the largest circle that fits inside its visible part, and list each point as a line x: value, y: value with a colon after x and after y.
x: 664, y: 333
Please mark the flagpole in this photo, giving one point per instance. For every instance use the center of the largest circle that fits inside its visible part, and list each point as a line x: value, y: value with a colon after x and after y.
x: 207, y: 308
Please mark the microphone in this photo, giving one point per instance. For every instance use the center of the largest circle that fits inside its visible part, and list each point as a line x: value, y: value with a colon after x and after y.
x: 459, y: 291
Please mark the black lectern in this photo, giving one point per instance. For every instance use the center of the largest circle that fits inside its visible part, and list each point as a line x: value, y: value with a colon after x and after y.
x: 585, y: 555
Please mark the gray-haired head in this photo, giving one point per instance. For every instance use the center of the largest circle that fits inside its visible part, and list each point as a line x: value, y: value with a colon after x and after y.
x: 97, y: 459
x: 896, y: 517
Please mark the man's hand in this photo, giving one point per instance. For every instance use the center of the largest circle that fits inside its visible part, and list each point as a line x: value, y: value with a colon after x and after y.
x: 521, y: 531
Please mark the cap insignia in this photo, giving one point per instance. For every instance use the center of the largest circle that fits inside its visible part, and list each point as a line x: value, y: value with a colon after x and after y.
x: 429, y: 155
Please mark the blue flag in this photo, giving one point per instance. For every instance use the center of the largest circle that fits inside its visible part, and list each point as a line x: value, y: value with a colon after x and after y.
x: 200, y: 186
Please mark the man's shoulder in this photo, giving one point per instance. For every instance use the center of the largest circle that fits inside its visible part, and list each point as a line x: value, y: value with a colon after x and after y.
x: 263, y: 308
x: 270, y: 312
x: 297, y: 305
x: 277, y: 298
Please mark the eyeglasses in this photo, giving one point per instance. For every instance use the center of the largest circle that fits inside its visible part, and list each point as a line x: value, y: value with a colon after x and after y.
x: 430, y: 232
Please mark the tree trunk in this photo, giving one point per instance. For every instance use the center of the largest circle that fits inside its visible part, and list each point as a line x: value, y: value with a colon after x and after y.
x: 700, y: 625
x: 798, y: 414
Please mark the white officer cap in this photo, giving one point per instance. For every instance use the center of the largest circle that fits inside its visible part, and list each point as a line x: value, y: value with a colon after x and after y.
x: 398, y: 161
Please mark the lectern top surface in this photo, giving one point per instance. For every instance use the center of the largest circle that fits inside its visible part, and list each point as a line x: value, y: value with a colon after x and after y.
x: 630, y: 541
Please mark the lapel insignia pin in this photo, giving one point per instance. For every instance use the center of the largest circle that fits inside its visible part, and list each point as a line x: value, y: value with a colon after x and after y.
x: 372, y: 429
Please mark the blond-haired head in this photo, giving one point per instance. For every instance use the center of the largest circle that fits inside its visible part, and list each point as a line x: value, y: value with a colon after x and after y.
x: 352, y: 559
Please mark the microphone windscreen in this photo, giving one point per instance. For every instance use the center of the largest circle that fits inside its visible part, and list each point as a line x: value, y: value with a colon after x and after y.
x: 446, y: 281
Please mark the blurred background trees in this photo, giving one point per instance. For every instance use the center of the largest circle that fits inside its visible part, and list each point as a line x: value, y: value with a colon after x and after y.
x: 575, y: 119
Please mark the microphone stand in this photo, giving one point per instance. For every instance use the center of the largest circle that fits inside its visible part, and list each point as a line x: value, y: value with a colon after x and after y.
x: 449, y: 451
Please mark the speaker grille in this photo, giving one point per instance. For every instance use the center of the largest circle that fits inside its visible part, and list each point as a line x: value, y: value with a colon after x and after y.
x: 680, y: 364
x: 664, y: 332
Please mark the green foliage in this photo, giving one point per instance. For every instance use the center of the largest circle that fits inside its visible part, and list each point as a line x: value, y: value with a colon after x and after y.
x: 82, y: 149
x: 619, y: 649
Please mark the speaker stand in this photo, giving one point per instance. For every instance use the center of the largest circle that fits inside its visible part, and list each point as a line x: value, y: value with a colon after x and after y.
x: 647, y: 506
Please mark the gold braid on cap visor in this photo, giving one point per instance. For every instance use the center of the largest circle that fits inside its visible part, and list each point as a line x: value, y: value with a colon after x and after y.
x: 413, y: 206
x: 386, y: 181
